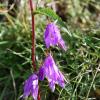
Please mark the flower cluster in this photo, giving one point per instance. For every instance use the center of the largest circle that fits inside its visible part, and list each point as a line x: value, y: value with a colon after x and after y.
x: 49, y: 68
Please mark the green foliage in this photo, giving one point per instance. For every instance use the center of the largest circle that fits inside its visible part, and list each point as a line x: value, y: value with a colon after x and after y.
x: 80, y: 64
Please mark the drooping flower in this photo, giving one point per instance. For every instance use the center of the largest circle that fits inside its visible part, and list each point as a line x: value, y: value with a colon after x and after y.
x: 52, y: 73
x: 31, y: 87
x: 52, y: 36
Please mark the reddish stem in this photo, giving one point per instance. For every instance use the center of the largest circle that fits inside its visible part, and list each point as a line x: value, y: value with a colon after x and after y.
x: 33, y: 36
x: 33, y: 41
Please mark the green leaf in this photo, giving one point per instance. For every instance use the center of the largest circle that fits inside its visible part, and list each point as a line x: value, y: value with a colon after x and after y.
x: 50, y: 13
x: 3, y: 42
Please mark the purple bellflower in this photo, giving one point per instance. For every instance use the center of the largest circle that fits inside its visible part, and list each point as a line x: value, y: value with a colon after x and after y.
x: 52, y: 73
x: 31, y: 87
x: 52, y: 36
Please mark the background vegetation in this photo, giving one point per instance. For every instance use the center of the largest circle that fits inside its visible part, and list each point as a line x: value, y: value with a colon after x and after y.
x: 80, y: 28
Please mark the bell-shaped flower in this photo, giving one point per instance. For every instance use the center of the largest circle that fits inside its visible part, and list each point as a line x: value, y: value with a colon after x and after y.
x: 52, y: 36
x: 52, y: 73
x: 31, y: 87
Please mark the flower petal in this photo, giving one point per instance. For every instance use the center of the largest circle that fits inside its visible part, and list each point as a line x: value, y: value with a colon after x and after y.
x: 27, y: 88
x: 61, y: 44
x: 61, y: 81
x: 52, y: 86
x: 34, y: 91
x: 41, y: 73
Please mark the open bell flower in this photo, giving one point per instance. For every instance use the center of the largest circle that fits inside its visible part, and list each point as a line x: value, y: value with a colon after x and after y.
x: 52, y: 36
x: 52, y: 73
x: 31, y: 87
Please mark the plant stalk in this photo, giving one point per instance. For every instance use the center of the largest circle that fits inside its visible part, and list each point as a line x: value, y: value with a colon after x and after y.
x: 33, y: 36
x: 33, y: 41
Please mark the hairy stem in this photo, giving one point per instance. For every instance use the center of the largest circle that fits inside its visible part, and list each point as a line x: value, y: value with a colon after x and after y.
x: 33, y: 36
